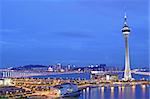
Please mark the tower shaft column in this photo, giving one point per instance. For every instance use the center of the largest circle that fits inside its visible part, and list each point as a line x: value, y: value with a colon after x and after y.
x: 127, y: 72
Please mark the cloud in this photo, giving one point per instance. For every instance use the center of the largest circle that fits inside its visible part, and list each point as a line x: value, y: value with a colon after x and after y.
x: 6, y: 30
x: 76, y: 34
x: 7, y: 43
x: 9, y: 30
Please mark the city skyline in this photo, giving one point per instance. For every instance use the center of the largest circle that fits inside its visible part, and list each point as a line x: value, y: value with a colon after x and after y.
x: 72, y: 32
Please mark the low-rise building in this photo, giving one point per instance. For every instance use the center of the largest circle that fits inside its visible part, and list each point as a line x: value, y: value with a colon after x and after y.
x: 5, y: 82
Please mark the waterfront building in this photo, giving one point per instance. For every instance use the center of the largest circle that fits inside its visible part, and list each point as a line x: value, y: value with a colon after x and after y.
x: 5, y: 74
x: 12, y: 92
x: 18, y: 73
x: 107, y: 77
x: 69, y: 67
x: 50, y: 69
x: 5, y: 82
x: 59, y: 66
x: 126, y: 32
x: 65, y: 90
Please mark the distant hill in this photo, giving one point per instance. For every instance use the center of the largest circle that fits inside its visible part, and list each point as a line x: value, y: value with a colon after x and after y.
x: 30, y: 67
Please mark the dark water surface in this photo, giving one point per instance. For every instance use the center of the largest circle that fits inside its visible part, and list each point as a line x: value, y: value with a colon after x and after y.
x: 130, y: 92
x: 86, y: 76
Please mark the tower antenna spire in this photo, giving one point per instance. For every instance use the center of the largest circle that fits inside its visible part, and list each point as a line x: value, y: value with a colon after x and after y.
x: 125, y: 18
x: 125, y: 15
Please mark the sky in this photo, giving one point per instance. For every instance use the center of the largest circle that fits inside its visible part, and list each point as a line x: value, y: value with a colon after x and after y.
x: 79, y: 32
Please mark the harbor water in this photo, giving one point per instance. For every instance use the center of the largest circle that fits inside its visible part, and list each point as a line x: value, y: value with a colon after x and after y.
x: 129, y: 92
x: 85, y: 76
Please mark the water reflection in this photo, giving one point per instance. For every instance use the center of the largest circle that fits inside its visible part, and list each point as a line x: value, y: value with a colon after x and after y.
x: 120, y: 92
x: 87, y: 93
x: 102, y: 92
x: 84, y: 93
x: 112, y: 92
x: 143, y: 90
x: 128, y: 93
x: 68, y: 98
x: 133, y: 91
x: 123, y: 89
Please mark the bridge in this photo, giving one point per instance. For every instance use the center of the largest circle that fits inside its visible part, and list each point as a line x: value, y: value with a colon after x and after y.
x: 142, y: 73
x: 11, y: 73
x: 132, y: 71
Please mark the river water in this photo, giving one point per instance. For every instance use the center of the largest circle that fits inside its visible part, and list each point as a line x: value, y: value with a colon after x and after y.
x: 130, y: 92
x: 86, y: 76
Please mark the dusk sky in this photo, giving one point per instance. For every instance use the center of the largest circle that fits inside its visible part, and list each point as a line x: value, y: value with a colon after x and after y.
x: 80, y: 32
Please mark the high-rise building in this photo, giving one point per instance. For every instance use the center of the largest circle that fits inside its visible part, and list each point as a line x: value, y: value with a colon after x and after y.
x: 126, y: 32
